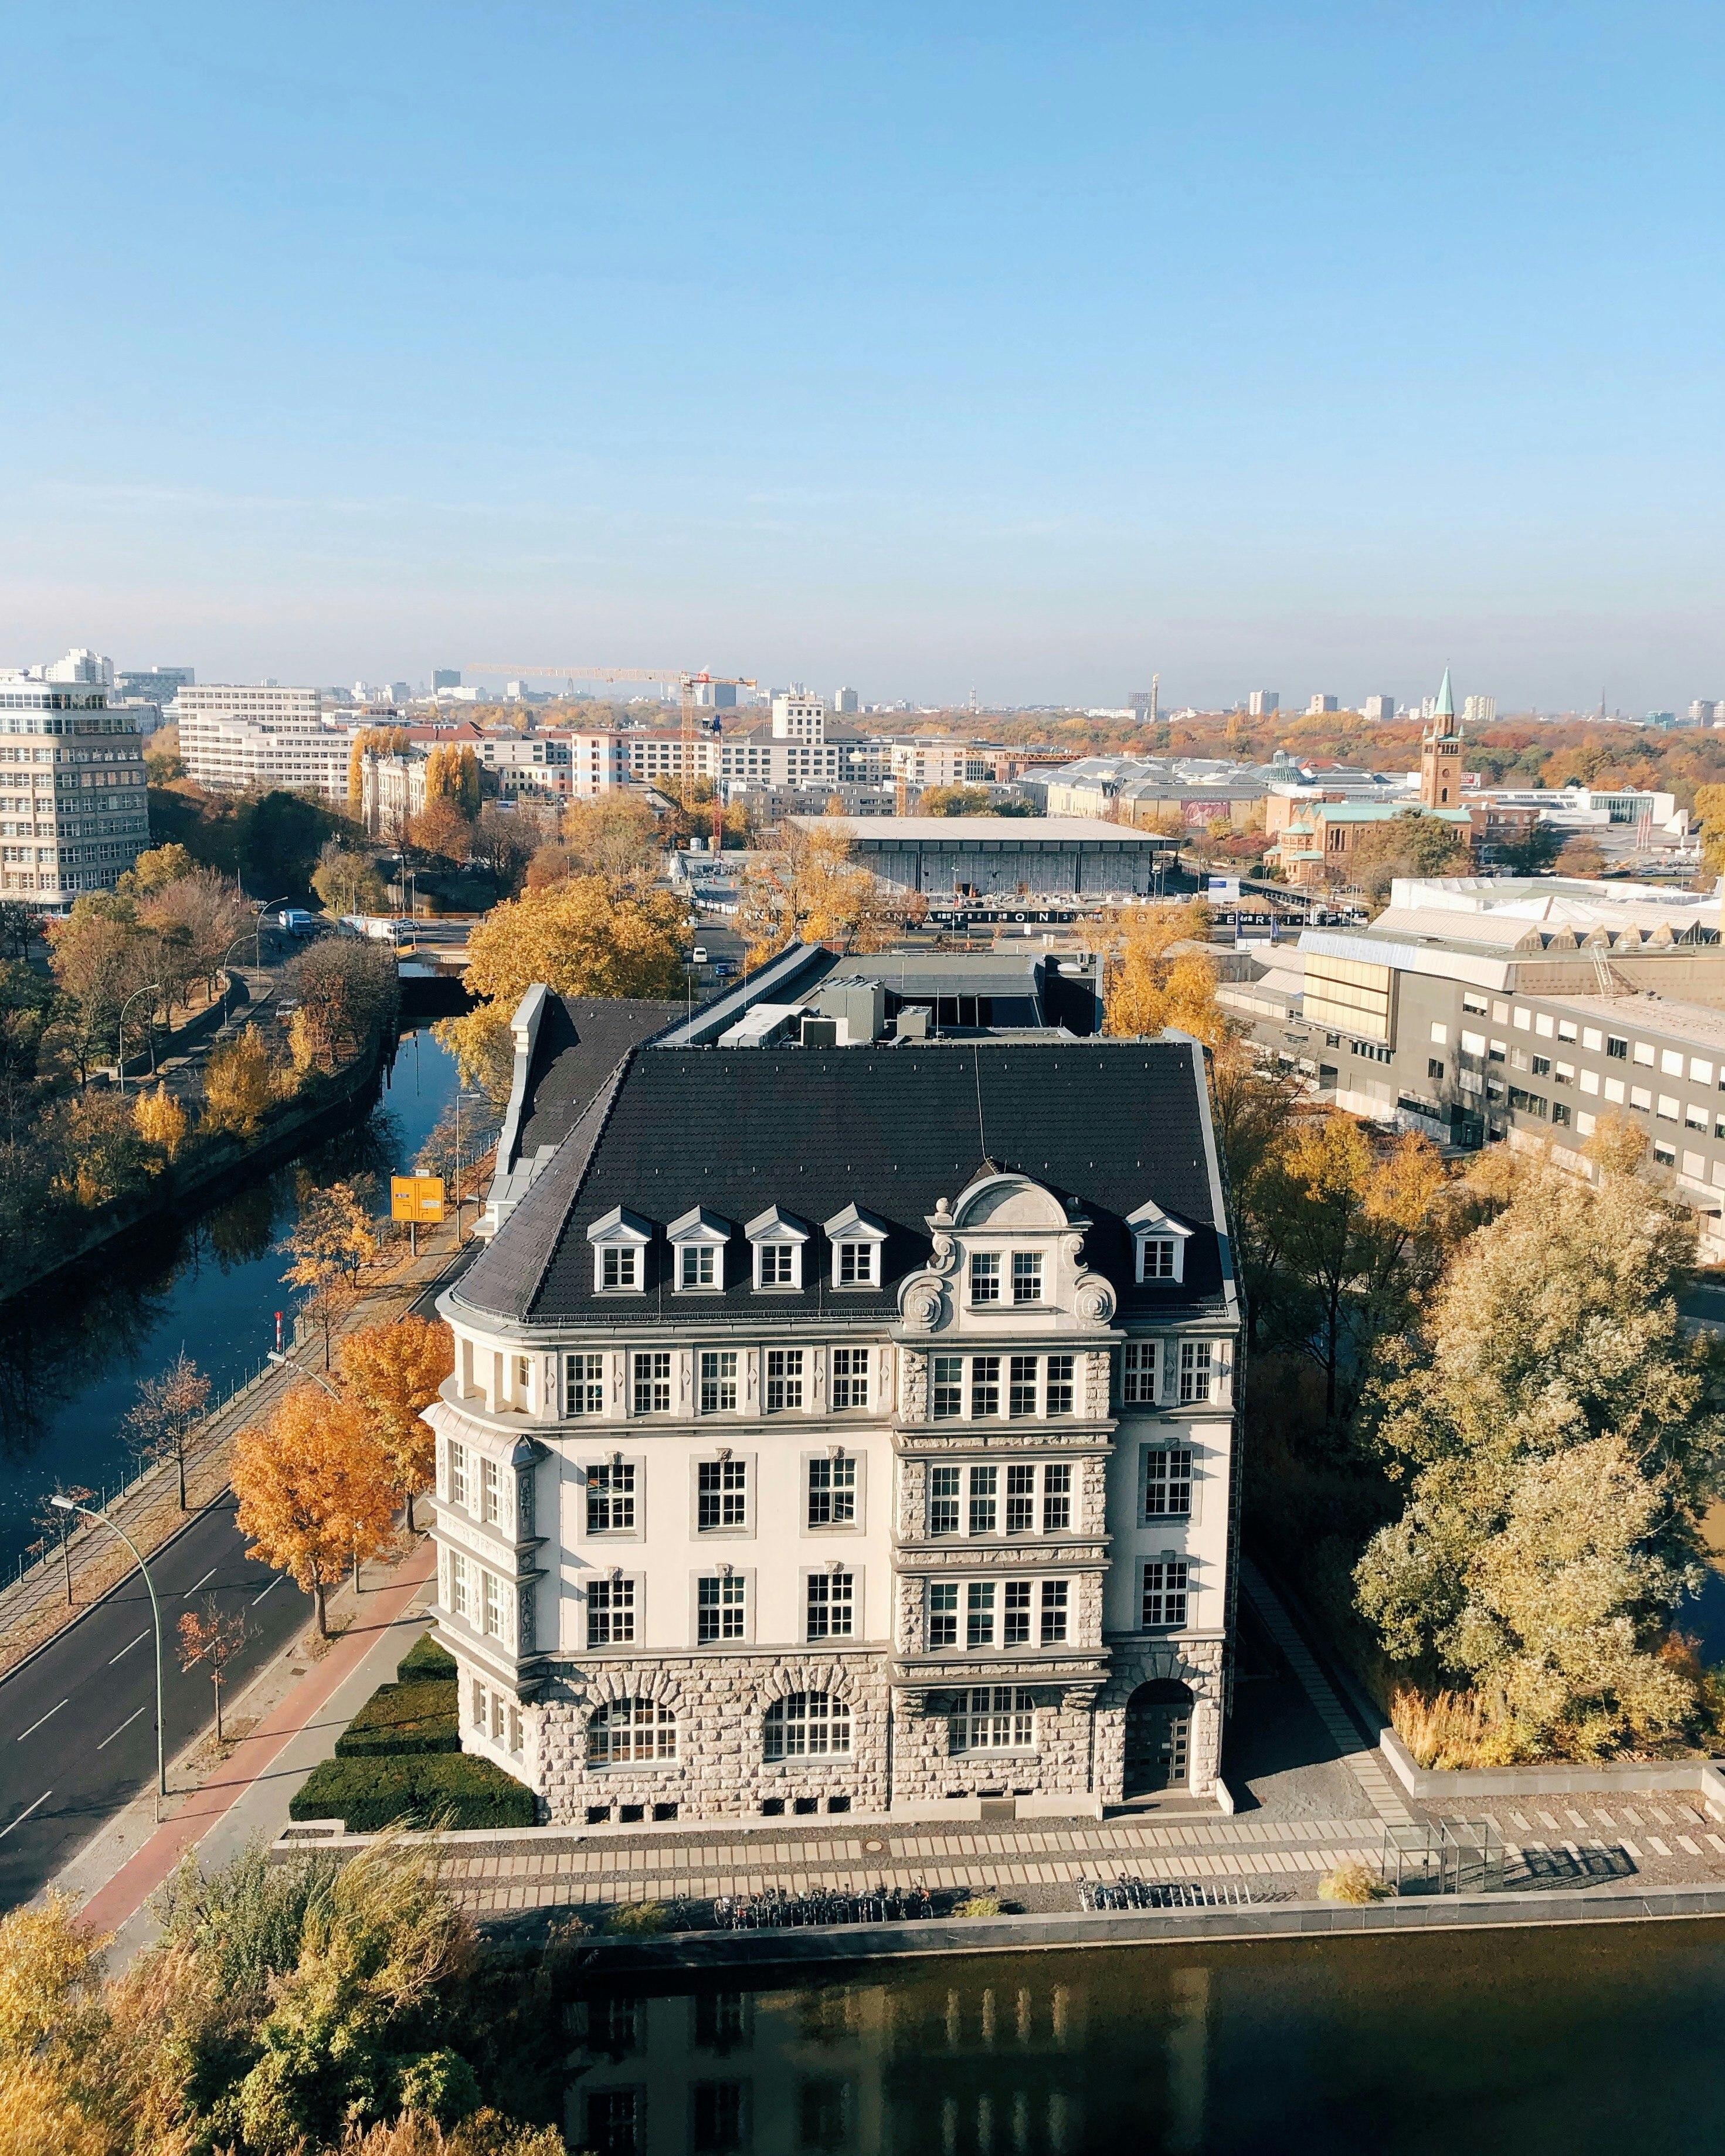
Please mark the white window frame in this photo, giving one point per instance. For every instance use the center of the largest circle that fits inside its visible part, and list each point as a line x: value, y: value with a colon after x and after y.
x: 777, y: 1230
x: 620, y: 1231
x: 698, y: 1231
x: 828, y: 1577
x: 1150, y: 1225
x: 862, y: 1232
x: 855, y: 1491
x: 637, y: 1465
x: 605, y: 1586
x: 736, y: 1590
x: 1004, y: 1714
x: 1194, y: 1370
x: 851, y: 1376
x: 1148, y: 1390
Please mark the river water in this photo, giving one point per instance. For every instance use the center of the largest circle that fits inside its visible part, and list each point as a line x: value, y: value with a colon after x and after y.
x: 1565, y: 2041
x: 73, y: 1350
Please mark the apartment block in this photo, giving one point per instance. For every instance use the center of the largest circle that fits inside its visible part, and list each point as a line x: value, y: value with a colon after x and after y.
x: 74, y: 811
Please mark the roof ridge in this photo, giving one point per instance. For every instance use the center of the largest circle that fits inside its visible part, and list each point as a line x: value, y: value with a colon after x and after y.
x: 605, y: 1101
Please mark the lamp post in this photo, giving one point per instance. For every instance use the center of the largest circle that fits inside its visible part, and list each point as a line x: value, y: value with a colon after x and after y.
x: 287, y: 1363
x: 67, y: 1505
x: 461, y: 1096
x: 149, y: 988
x: 263, y: 909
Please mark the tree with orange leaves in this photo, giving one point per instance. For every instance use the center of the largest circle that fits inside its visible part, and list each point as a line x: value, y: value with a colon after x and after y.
x: 1150, y: 981
x: 316, y: 1489
x: 392, y: 1371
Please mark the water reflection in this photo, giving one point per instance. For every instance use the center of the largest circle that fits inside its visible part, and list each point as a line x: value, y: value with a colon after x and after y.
x: 73, y: 1350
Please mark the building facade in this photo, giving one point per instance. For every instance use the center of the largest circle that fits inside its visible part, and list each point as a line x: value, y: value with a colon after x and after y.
x: 73, y: 812
x: 1027, y: 857
x: 789, y: 1465
x: 238, y: 738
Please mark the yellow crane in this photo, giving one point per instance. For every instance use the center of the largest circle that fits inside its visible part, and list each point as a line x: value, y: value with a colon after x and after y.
x: 687, y: 682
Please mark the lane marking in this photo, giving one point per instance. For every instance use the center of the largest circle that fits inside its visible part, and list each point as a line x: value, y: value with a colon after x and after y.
x: 25, y: 1812
x: 36, y: 1725
x: 210, y: 1574
x: 130, y: 1645
x: 127, y: 1724
x: 270, y: 1589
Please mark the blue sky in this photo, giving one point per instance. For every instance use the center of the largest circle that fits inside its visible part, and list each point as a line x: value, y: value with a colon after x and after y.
x: 920, y: 347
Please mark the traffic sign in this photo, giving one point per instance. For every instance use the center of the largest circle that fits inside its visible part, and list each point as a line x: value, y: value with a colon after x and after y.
x: 416, y: 1197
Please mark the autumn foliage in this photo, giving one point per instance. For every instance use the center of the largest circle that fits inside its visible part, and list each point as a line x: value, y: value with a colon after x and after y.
x: 316, y: 1490
x: 391, y: 1372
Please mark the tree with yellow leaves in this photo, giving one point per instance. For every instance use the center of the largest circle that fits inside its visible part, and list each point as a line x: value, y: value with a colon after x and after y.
x: 809, y: 891
x: 586, y: 936
x: 393, y: 1372
x: 316, y: 1491
x: 238, y: 1086
x: 161, y: 1121
x: 1150, y: 983
x: 331, y: 1241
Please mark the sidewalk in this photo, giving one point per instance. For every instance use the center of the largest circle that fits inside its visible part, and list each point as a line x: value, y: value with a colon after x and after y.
x: 248, y: 1794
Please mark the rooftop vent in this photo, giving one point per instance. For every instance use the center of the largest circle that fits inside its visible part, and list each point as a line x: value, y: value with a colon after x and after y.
x: 913, y: 1024
x: 820, y: 1033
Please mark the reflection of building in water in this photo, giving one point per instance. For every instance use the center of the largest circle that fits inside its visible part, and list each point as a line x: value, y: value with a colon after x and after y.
x: 931, y: 2068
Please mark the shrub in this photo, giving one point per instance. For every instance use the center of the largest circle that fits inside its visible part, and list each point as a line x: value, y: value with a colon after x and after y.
x: 637, y: 1920
x: 1453, y: 1729
x: 425, y: 1659
x: 1351, y: 1881
x: 400, y: 1718
x: 446, y: 1788
x: 978, y: 1905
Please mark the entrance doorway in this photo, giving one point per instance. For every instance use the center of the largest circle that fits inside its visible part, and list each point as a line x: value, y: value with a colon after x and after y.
x: 1159, y: 1738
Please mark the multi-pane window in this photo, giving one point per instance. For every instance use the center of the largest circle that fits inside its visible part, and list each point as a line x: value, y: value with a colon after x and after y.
x: 784, y: 1378
x: 1138, y: 1372
x: 718, y: 1380
x: 979, y: 1613
x: 610, y: 1613
x: 947, y: 1389
x: 1167, y: 1481
x: 832, y: 1491
x: 1027, y: 1276
x: 1021, y: 1385
x: 994, y: 1718
x: 615, y: 2120
x: 985, y: 1276
x: 630, y: 1730
x: 697, y: 1265
x: 850, y: 1377
x: 1157, y: 1256
x: 488, y: 1491
x: 807, y: 1725
x: 720, y: 1608
x: 832, y: 1605
x: 777, y: 1263
x: 856, y: 1264
x: 1194, y: 1370
x: 457, y: 1472
x: 493, y: 1600
x: 1059, y: 1398
x: 1015, y: 1615
x: 984, y: 1385
x: 458, y: 1584
x: 943, y: 1501
x: 722, y: 1496
x: 1165, y: 1592
x: 653, y: 1381
x: 1056, y: 1498
x: 984, y: 1483
x: 1020, y: 1499
x: 478, y: 1716
x: 583, y: 1384
x: 1054, y: 1612
x: 611, y: 1498
x: 515, y: 1730
x: 942, y: 1613
x: 619, y: 1266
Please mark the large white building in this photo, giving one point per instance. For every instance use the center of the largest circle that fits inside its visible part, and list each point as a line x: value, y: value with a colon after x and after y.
x: 74, y: 813
x: 843, y: 1428
x: 240, y: 735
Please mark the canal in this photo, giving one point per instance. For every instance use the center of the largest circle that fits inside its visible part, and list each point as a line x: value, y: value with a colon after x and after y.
x: 1564, y: 2042
x: 73, y: 1349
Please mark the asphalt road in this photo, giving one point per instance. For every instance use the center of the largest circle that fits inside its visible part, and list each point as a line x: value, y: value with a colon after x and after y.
x: 78, y: 1721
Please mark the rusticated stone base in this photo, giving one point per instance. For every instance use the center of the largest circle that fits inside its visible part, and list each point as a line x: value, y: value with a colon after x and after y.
x: 1197, y: 1663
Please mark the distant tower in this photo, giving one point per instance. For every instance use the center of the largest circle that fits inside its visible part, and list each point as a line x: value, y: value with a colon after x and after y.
x: 1155, y: 698
x: 1441, y: 754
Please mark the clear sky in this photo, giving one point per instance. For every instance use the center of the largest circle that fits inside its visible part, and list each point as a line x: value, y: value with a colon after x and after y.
x: 920, y: 346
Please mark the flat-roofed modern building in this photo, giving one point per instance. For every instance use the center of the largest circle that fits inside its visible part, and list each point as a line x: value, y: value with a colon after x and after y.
x: 74, y: 813
x: 1014, y: 856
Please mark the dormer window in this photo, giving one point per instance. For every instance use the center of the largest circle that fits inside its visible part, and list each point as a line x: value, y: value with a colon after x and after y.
x: 778, y: 1238
x: 1159, y: 1244
x: 1027, y: 1276
x: 619, y: 1240
x: 856, y: 1238
x: 698, y: 1241
x: 985, y: 1276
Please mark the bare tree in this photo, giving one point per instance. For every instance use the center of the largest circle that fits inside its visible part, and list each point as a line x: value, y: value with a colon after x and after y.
x: 60, y: 1528
x: 213, y: 1640
x: 166, y: 1411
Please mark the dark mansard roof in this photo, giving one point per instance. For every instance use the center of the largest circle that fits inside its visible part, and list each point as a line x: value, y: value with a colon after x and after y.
x: 1105, y: 1125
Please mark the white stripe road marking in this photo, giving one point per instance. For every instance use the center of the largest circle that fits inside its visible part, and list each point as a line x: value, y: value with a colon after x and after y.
x: 25, y: 1812
x: 36, y: 1725
x: 127, y: 1724
x: 270, y: 1589
x: 129, y: 1645
x: 210, y: 1574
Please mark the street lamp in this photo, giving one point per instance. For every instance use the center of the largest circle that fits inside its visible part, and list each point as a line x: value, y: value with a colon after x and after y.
x: 149, y: 988
x: 66, y: 1505
x: 262, y: 910
x: 287, y: 1363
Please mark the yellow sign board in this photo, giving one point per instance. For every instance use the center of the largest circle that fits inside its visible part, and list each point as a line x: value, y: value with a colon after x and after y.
x: 416, y: 1197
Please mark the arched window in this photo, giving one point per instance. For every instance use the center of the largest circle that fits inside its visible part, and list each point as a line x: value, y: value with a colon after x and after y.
x: 630, y: 1729
x: 808, y: 1725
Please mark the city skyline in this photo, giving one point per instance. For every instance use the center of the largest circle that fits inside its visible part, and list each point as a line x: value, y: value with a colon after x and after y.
x: 995, y: 351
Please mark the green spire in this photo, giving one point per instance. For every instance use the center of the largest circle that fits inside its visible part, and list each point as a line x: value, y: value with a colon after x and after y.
x: 1446, y: 701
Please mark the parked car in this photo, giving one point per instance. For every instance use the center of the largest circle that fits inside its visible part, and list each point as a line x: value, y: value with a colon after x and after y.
x: 700, y: 954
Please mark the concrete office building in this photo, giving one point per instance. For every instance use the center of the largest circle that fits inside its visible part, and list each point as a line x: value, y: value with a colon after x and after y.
x: 1035, y: 858
x: 846, y: 702
x: 1262, y: 703
x: 73, y: 808
x: 284, y: 745
x: 1320, y: 703
x: 818, y: 1442
x: 1478, y: 710
x: 153, y: 685
x: 1378, y: 709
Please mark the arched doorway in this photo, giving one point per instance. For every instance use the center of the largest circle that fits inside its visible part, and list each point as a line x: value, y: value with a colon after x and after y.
x: 1159, y: 1738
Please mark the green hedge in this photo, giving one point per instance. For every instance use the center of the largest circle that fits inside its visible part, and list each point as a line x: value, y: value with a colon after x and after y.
x: 403, y: 1718
x: 425, y: 1660
x: 458, y: 1790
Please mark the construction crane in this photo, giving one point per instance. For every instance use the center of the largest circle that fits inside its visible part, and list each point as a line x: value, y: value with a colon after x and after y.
x: 687, y: 684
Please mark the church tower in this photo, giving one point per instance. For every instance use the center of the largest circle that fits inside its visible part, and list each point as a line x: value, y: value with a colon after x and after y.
x: 1441, y: 754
